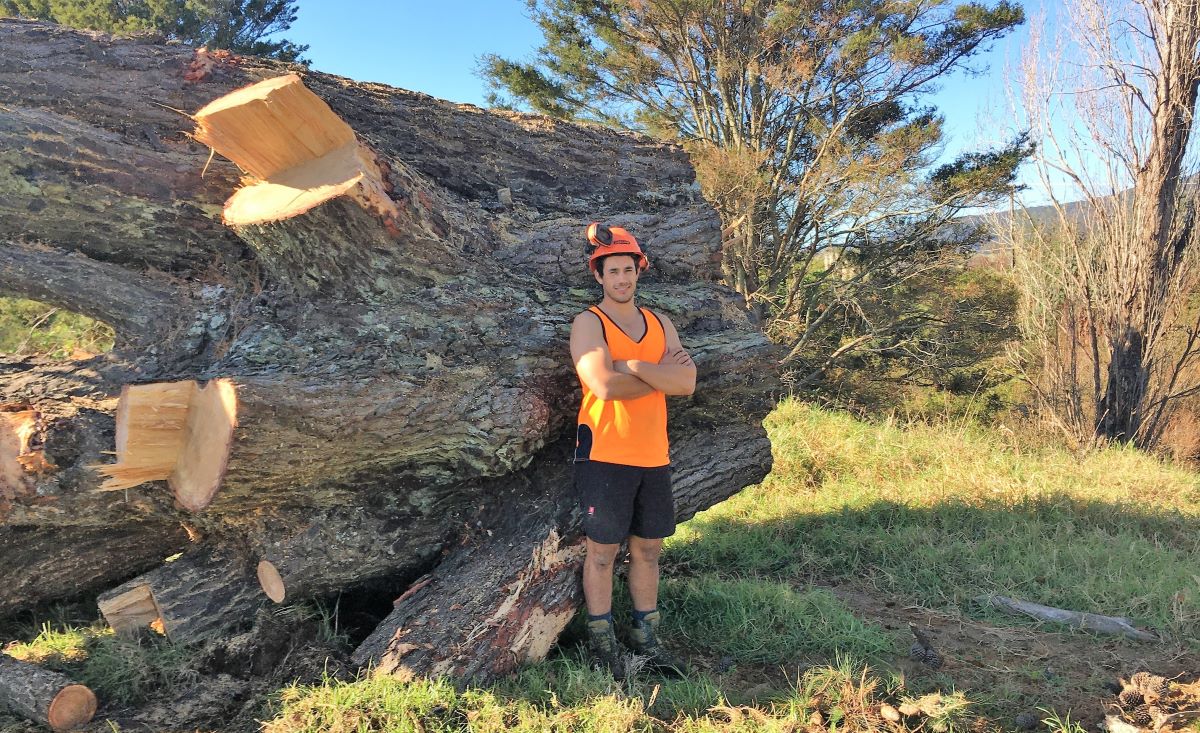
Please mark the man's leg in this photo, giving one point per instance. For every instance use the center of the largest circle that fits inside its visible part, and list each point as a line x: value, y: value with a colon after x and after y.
x: 653, y: 519
x: 597, y: 593
x: 643, y: 573
x: 598, y: 577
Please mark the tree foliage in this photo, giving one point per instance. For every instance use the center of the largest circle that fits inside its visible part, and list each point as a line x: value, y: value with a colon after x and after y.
x: 242, y: 26
x: 806, y: 124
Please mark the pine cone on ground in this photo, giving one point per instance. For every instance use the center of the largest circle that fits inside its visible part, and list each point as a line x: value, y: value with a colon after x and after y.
x: 1161, y: 687
x: 1151, y: 686
x: 1130, y: 698
x: 922, y: 649
x: 1141, y: 716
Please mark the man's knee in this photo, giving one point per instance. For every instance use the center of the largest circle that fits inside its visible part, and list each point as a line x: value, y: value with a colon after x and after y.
x: 645, y: 551
x: 601, y: 556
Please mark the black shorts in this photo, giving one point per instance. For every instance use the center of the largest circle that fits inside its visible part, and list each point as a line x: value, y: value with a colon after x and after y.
x: 618, y: 501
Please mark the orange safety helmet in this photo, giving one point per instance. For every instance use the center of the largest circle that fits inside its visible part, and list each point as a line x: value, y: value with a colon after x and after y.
x: 605, y: 240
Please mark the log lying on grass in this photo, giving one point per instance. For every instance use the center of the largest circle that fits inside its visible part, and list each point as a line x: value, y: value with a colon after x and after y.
x: 47, y: 697
x: 391, y: 305
x: 503, y: 597
x: 1094, y: 622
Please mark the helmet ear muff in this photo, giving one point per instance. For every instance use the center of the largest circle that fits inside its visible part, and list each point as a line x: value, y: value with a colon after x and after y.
x: 598, y: 235
x: 602, y: 234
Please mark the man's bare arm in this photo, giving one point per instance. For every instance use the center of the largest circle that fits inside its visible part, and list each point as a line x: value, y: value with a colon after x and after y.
x: 594, y: 363
x: 674, y: 374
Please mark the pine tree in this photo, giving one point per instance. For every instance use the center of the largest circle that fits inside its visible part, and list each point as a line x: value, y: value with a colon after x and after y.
x: 242, y: 26
x: 809, y: 128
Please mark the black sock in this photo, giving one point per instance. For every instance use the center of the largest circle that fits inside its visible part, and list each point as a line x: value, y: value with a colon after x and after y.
x: 639, y: 617
x: 602, y: 617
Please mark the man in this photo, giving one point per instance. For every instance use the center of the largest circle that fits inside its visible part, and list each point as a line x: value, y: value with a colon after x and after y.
x: 628, y: 360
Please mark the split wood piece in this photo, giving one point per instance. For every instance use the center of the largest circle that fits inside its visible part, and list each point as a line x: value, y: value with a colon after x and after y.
x: 343, y: 549
x: 20, y: 460
x: 198, y: 595
x: 47, y: 697
x: 503, y: 597
x: 176, y: 431
x: 1096, y: 623
x: 492, y: 605
x: 300, y: 151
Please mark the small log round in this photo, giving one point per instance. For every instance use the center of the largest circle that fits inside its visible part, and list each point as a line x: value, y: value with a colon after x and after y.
x: 44, y: 696
x: 74, y: 706
x: 271, y: 581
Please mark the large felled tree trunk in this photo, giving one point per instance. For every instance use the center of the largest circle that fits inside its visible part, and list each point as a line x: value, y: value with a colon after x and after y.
x: 353, y: 371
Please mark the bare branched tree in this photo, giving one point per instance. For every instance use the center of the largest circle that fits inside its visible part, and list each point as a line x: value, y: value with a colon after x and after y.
x: 1109, y: 279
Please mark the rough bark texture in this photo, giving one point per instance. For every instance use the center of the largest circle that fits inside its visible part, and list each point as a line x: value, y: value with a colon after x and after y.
x: 205, y: 592
x: 388, y: 376
x: 47, y: 697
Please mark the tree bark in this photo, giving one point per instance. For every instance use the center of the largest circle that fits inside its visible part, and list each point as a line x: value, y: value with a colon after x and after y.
x: 401, y: 369
x: 1143, y: 272
x: 47, y: 697
x: 190, y: 598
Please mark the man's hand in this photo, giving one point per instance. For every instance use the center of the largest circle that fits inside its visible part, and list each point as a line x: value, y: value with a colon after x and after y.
x: 622, y: 367
x: 676, y: 356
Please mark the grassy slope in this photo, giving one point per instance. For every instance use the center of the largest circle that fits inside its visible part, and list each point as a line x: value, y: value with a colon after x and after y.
x: 939, y: 516
x: 932, y: 515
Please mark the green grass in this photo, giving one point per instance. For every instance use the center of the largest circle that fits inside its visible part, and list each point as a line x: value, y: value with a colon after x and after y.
x: 28, y: 327
x: 756, y: 621
x: 940, y: 516
x: 119, y: 670
x: 565, y: 695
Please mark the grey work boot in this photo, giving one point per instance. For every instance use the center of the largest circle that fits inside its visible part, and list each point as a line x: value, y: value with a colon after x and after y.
x: 607, y: 652
x: 644, y: 638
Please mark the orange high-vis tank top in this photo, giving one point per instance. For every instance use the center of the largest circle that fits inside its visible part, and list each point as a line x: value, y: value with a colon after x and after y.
x: 628, y: 432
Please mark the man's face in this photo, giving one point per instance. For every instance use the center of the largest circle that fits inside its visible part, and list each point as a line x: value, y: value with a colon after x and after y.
x: 619, y: 276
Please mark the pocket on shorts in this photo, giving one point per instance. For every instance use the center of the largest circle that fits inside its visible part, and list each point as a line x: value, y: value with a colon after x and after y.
x: 583, y: 443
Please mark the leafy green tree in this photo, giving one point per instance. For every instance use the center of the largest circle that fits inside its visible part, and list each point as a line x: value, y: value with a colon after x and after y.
x: 242, y: 26
x: 805, y: 121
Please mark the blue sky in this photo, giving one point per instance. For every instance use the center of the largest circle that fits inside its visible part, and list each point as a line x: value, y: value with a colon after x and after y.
x: 433, y: 47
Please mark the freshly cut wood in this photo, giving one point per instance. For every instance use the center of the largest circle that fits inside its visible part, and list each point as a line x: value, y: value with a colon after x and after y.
x: 176, y: 431
x: 150, y: 425
x: 208, y: 438
x: 20, y: 462
x: 272, y: 126
x: 271, y: 580
x: 190, y: 598
x: 130, y: 608
x: 302, y: 153
x: 47, y: 697
x: 1094, y: 622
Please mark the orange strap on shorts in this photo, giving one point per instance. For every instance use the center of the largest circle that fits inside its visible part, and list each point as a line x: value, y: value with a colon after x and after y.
x: 628, y: 432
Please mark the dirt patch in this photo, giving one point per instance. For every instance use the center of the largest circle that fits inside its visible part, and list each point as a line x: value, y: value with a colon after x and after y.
x: 1012, y: 671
